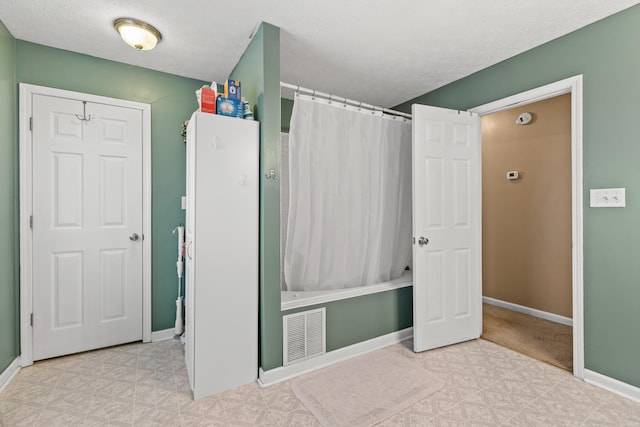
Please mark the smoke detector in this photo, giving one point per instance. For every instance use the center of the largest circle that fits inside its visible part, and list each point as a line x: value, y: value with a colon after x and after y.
x: 524, y: 119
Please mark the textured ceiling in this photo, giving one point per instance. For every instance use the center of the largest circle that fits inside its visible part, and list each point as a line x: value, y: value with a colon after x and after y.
x: 377, y: 51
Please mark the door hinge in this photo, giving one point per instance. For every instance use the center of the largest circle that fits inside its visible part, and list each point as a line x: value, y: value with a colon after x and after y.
x: 31, y: 222
x: 413, y: 239
x: 30, y: 123
x: 31, y: 319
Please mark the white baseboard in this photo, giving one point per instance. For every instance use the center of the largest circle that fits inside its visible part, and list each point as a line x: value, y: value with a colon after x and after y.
x: 613, y: 385
x: 530, y: 311
x: 7, y: 375
x: 274, y: 376
x: 162, y: 335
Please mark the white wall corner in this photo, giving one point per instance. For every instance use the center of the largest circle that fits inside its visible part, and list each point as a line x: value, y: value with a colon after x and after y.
x: 615, y: 386
x: 9, y: 373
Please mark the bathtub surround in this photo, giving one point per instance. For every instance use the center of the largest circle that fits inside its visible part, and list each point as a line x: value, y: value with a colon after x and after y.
x: 349, y: 217
x: 293, y: 299
x: 358, y: 319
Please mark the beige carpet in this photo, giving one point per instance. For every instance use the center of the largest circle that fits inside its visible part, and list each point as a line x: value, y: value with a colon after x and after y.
x: 365, y: 390
x: 538, y: 338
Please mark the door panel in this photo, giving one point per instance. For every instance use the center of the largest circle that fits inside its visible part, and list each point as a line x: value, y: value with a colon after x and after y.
x: 112, y: 195
x: 113, y: 284
x: 446, y: 201
x: 68, y: 206
x: 67, y: 289
x: 463, y: 289
x: 87, y: 201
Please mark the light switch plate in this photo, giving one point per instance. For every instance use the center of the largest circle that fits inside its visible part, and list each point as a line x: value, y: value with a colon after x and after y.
x: 607, y: 198
x: 183, y: 200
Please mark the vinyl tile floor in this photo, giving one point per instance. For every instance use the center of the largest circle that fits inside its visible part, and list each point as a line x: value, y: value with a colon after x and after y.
x: 146, y: 384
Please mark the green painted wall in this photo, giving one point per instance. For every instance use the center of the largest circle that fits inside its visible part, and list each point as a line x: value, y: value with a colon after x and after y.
x: 9, y: 302
x: 354, y: 320
x: 172, y: 100
x: 606, y: 53
x: 286, y: 107
x: 259, y: 72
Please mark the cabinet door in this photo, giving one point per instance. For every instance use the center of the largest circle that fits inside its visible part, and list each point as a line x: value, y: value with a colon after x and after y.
x: 189, y: 244
x: 225, y: 253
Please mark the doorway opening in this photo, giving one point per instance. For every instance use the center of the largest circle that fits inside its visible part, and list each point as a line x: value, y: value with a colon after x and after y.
x: 532, y: 223
x: 526, y: 168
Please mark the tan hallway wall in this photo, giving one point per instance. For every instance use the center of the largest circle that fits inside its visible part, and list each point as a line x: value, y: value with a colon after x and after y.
x: 527, y: 222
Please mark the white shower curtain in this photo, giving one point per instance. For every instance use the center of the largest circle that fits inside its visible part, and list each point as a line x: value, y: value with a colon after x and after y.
x: 349, y: 221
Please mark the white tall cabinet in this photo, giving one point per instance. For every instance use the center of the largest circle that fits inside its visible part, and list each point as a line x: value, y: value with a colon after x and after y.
x: 221, y: 294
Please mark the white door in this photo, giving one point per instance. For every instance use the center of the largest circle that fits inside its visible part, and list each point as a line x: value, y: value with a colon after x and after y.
x: 447, y: 305
x: 87, y: 225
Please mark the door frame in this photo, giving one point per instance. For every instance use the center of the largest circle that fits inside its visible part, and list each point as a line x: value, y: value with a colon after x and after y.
x: 572, y: 85
x: 26, y: 207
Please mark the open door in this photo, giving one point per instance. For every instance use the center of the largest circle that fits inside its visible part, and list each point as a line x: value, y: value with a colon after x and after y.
x: 447, y: 251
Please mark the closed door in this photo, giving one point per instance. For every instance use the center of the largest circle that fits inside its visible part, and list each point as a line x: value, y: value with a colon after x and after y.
x: 447, y: 227
x: 87, y: 225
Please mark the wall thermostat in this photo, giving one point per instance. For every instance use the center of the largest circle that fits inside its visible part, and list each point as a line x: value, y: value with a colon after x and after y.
x: 513, y: 175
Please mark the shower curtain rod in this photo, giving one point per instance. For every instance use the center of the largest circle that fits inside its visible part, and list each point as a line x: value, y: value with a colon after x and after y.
x: 343, y: 100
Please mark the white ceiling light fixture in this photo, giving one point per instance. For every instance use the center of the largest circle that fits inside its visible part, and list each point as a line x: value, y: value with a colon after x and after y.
x: 137, y: 34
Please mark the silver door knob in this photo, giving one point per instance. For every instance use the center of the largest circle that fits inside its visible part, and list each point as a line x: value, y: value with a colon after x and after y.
x: 422, y: 241
x: 134, y: 237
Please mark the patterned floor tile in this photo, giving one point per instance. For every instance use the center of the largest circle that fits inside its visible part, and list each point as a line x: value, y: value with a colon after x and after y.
x: 23, y: 414
x: 146, y: 385
x: 50, y: 418
x: 303, y: 420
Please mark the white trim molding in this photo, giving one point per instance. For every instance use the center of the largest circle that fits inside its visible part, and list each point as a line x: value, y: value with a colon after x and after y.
x: 530, y: 311
x: 277, y: 375
x: 297, y: 299
x: 27, y: 91
x: 9, y: 373
x: 615, y: 386
x: 165, y: 334
x: 572, y: 85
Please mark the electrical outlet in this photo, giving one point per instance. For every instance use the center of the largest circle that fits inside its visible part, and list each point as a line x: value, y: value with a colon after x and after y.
x: 607, y: 198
